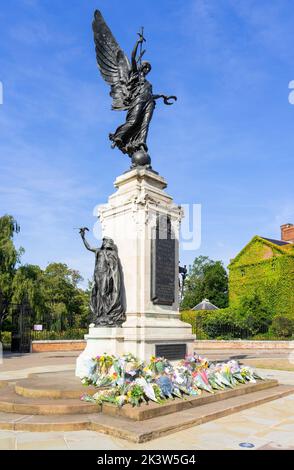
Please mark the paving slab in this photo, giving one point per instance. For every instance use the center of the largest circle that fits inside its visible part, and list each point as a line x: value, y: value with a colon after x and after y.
x: 42, y: 424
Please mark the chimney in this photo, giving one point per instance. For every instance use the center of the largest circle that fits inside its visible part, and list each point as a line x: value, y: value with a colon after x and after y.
x: 287, y: 233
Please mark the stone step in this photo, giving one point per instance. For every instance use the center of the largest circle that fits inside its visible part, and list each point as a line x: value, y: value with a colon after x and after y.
x: 11, y: 402
x: 118, y: 426
x: 152, y: 410
x: 52, y: 385
x: 39, y: 423
x: 156, y: 427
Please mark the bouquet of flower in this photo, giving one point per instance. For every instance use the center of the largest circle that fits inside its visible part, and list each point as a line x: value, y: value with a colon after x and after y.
x: 200, y: 380
x: 130, y: 380
x: 159, y: 365
x: 104, y: 363
x: 135, y: 394
x: 195, y: 362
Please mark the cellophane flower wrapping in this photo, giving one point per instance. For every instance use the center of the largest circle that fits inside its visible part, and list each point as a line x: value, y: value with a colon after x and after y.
x: 127, y: 380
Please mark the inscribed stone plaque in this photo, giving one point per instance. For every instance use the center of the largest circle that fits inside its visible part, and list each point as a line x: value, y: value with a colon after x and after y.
x: 171, y: 352
x: 163, y: 262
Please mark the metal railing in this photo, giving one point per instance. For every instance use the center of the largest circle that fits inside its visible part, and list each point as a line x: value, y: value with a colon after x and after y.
x: 231, y: 332
x: 51, y: 335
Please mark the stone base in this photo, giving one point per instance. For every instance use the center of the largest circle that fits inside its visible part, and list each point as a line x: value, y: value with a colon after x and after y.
x: 140, y: 335
x: 102, y: 340
x: 153, y: 326
x: 143, y: 333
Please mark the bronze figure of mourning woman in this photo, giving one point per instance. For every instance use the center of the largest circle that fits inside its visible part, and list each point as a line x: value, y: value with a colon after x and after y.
x: 107, y: 302
x: 130, y: 91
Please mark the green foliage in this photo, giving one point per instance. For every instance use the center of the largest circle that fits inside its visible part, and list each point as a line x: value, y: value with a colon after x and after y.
x: 206, y: 279
x: 66, y: 302
x: 249, y: 320
x: 252, y: 315
x: 188, y: 316
x: 70, y: 333
x: 28, y: 283
x: 55, y: 298
x: 283, y: 326
x: 267, y: 270
x: 6, y: 337
x: 222, y: 324
x: 196, y: 319
x: 53, y: 294
x: 215, y: 284
x: 9, y: 257
x: 230, y: 323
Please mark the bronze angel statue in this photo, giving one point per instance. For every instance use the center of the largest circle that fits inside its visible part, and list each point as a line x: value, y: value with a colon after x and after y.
x: 107, y: 303
x: 130, y: 91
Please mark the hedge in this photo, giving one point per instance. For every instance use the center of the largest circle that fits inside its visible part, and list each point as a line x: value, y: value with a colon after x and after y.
x: 283, y: 326
x: 196, y: 319
x: 229, y: 323
x: 71, y: 333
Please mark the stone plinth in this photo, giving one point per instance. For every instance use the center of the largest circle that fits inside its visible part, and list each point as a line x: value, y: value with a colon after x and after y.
x: 108, y: 340
x: 130, y: 218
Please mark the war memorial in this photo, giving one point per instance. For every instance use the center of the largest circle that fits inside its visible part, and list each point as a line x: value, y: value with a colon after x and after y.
x: 139, y: 377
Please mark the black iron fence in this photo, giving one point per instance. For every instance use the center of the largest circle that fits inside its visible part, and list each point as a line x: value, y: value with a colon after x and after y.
x: 50, y: 335
x: 231, y: 332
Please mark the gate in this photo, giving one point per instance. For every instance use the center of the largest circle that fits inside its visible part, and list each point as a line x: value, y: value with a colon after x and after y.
x: 21, y: 315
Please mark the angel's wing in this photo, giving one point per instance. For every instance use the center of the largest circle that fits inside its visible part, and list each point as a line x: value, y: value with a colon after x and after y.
x: 112, y: 62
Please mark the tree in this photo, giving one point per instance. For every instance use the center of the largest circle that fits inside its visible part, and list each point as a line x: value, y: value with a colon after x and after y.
x: 65, y: 300
x: 54, y: 295
x: 215, y: 284
x: 206, y: 279
x: 9, y: 257
x: 55, y: 299
x: 28, y: 283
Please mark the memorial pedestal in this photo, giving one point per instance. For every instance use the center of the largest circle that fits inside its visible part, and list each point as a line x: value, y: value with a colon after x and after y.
x: 144, y: 223
x: 102, y: 340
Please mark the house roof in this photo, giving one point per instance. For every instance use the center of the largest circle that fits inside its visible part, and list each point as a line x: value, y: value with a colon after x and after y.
x: 205, y: 305
x: 280, y: 246
x: 276, y: 242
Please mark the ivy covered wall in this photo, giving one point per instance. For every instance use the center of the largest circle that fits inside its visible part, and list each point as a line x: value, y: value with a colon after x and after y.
x: 267, y: 270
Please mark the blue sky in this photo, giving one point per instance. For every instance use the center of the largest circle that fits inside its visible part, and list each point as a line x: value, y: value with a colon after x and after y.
x: 227, y: 143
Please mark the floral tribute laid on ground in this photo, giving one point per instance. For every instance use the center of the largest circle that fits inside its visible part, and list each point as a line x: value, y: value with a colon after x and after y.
x: 125, y: 379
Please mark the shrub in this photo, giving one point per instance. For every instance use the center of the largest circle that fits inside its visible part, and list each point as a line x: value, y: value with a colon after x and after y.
x: 283, y: 326
x: 188, y: 316
x: 6, y: 337
x: 71, y: 333
x: 252, y: 315
x: 222, y: 324
x: 196, y: 319
x: 250, y: 320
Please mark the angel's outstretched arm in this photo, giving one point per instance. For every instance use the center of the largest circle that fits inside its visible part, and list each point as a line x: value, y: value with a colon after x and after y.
x: 134, y: 53
x: 90, y: 248
x: 165, y: 98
